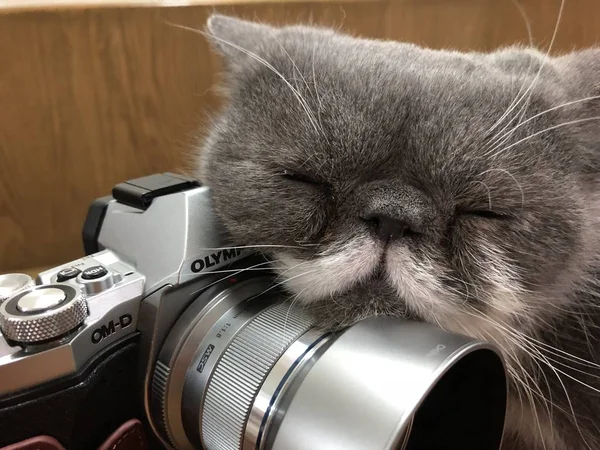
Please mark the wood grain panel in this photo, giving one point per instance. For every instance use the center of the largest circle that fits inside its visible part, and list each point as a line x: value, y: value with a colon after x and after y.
x: 92, y: 96
x: 489, y: 24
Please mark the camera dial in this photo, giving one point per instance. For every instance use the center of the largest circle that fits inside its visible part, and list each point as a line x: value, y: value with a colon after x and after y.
x: 43, y: 313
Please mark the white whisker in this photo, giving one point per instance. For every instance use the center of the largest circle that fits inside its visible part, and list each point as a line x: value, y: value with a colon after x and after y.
x: 488, y: 191
x: 574, y: 102
x: 295, y: 300
x: 544, y: 61
x: 545, y: 130
x: 264, y: 63
x: 570, y: 403
x: 270, y: 288
x: 257, y: 246
x: 514, y: 179
x: 319, y: 102
x: 235, y: 272
x: 303, y: 80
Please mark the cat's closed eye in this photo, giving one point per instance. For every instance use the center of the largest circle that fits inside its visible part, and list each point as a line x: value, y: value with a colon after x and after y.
x: 298, y: 177
x: 484, y: 214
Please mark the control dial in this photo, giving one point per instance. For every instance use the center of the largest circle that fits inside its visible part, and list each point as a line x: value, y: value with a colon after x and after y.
x: 12, y: 283
x: 43, y: 313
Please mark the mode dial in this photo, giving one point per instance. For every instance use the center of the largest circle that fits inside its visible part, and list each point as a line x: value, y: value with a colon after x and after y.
x: 42, y: 313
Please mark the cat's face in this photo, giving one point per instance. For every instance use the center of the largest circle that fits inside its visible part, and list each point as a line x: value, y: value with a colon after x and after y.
x: 381, y: 179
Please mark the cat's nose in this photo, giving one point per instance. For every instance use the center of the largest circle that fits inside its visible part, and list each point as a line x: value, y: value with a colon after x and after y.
x: 386, y: 227
x: 393, y: 210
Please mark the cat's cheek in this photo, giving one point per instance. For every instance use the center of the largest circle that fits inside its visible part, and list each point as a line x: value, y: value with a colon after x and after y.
x: 333, y: 273
x: 505, y: 295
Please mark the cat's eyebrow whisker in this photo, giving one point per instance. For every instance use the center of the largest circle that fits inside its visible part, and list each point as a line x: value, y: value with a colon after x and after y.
x: 488, y: 191
x: 546, y: 56
x: 257, y: 19
x: 498, y: 141
x: 526, y: 20
x: 499, y: 138
x: 544, y: 61
x: 514, y: 179
x: 264, y: 63
x: 518, y: 114
x: 320, y: 104
x: 510, y: 107
x: 554, y: 108
x: 303, y: 80
x: 545, y: 130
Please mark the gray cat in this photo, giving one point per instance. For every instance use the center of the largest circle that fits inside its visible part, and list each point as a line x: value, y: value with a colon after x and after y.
x: 460, y: 189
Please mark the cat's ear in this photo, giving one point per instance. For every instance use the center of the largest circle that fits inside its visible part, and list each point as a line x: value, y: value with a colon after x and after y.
x: 581, y: 69
x: 236, y: 39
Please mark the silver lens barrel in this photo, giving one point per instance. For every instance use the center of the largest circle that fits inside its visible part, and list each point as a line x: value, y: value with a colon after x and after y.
x: 244, y: 369
x: 391, y: 384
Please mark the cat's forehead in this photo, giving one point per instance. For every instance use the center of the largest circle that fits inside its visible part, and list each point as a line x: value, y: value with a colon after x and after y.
x: 341, y: 78
x: 316, y: 100
x: 314, y: 54
x: 353, y: 97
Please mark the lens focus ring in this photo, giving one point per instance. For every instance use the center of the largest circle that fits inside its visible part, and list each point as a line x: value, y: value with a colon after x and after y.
x: 241, y: 371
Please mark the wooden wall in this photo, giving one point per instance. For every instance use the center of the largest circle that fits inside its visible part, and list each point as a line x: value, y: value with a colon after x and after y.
x: 91, y: 96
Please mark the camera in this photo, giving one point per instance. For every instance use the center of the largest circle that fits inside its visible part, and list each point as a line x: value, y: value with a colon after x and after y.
x: 164, y: 321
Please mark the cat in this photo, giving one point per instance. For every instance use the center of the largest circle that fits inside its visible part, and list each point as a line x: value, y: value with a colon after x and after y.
x: 456, y: 188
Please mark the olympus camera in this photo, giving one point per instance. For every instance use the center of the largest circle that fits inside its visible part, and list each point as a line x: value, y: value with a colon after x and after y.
x: 163, y: 321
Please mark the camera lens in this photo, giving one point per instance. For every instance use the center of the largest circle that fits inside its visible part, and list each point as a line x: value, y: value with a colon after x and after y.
x: 244, y: 368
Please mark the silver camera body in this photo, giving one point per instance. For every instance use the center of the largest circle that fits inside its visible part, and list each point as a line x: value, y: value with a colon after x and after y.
x: 222, y: 360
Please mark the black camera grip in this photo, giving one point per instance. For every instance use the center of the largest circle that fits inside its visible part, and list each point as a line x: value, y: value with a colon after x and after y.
x: 79, y: 411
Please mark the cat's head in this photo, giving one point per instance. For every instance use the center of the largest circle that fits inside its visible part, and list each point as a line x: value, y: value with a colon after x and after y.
x: 384, y: 178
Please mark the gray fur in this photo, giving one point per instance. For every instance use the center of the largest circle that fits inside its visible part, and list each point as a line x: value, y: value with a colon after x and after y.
x: 402, y: 132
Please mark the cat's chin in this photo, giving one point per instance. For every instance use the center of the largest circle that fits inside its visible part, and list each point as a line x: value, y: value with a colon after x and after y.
x: 372, y: 297
x: 376, y: 296
x: 362, y: 279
